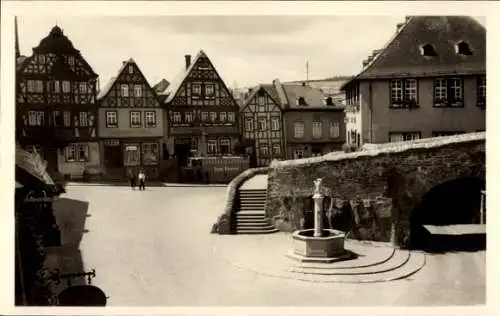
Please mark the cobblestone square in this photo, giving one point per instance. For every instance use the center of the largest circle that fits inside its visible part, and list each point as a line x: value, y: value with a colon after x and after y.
x: 154, y: 248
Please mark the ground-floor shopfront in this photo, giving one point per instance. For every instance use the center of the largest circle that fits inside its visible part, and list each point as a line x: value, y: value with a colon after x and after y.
x: 122, y: 156
x: 185, y: 146
x: 299, y: 151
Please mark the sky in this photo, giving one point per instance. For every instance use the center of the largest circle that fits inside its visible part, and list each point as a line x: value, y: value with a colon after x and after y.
x: 246, y: 50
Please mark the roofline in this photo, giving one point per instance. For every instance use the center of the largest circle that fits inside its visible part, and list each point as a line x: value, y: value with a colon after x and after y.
x: 370, y: 64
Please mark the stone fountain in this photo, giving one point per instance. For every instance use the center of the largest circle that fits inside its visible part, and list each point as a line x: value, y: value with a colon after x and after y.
x: 318, y: 244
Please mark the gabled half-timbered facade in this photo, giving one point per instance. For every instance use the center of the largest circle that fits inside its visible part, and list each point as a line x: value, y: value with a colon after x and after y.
x: 130, y: 124
x: 261, y: 121
x: 202, y: 113
x: 56, y: 110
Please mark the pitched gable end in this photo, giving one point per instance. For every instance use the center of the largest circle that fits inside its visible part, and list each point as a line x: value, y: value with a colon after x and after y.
x: 200, y: 72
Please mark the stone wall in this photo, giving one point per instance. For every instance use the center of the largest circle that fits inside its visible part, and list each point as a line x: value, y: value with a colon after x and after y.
x: 374, y: 190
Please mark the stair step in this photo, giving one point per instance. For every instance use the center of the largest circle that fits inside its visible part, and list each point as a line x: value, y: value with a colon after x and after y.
x: 251, y: 232
x: 252, y: 207
x: 250, y: 213
x: 252, y: 202
x: 252, y: 224
x: 253, y: 198
x: 251, y: 220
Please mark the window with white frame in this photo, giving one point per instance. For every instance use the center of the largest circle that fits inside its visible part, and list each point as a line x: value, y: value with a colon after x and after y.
x: 67, y: 118
x: 130, y: 69
x: 334, y: 129
x: 249, y: 124
x: 83, y: 87
x: 70, y: 153
x: 31, y: 85
x: 188, y: 117
x: 131, y: 155
x: 176, y: 117
x: 275, y: 124
x: 225, y: 146
x: 213, y: 116
x: 135, y: 119
x: 56, y: 118
x: 231, y: 117
x: 82, y: 151
x: 262, y: 100
x: 138, y: 90
x: 204, y: 116
x: 222, y: 116
x: 448, y: 92
x: 317, y: 129
x: 56, y: 86
x: 481, y: 91
x: 35, y: 118
x: 212, y: 146
x: 298, y: 129
x: 196, y: 89
x: 124, y: 90
x: 150, y: 118
x: 403, y: 91
x: 456, y: 89
x: 264, y: 150
x: 403, y: 136
x: 66, y: 86
x: 446, y: 133
x: 150, y: 153
x: 276, y: 149
x: 83, y: 119
x: 111, y: 119
x: 209, y: 90
x: 39, y: 86
x: 71, y: 60
x: 262, y: 124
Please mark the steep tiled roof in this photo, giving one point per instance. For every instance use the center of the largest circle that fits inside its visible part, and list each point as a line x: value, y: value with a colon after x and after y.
x: 269, y: 89
x: 105, y: 90
x: 161, y: 86
x: 174, y: 86
x: 401, y: 57
x: 313, y: 97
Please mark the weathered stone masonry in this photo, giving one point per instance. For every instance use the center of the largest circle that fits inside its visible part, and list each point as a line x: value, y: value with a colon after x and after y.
x: 375, y: 190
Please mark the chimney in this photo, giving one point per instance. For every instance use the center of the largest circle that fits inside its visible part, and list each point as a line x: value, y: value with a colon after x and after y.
x: 399, y: 26
x: 188, y: 60
x: 303, y: 84
x: 365, y: 63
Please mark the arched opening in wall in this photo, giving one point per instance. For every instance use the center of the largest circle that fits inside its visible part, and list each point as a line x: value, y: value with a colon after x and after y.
x: 448, y: 218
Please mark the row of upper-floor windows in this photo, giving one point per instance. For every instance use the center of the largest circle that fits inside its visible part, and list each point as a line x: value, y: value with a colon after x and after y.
x: 317, y: 129
x: 135, y: 119
x: 60, y: 119
x: 189, y: 117
x: 126, y: 90
x: 56, y: 86
x: 261, y: 124
x: 447, y: 92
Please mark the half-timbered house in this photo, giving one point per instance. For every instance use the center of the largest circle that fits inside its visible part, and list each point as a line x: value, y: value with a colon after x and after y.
x: 202, y: 113
x: 130, y: 124
x: 261, y: 123
x: 56, y: 109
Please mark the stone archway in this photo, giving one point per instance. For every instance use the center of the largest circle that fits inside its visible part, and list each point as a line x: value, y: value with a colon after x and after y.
x: 453, y: 202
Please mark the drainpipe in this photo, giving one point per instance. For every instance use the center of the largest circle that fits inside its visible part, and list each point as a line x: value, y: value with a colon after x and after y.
x: 370, y: 89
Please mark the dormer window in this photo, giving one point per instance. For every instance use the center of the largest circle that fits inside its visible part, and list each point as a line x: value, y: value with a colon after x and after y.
x: 329, y: 101
x: 301, y: 101
x: 427, y: 50
x: 462, y: 48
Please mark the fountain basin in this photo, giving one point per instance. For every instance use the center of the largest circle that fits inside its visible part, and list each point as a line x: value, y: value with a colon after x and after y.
x: 327, y: 248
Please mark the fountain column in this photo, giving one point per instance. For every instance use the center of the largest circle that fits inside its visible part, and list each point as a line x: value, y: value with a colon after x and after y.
x: 318, y: 208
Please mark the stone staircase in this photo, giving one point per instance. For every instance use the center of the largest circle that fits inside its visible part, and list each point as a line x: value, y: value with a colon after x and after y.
x: 250, y: 213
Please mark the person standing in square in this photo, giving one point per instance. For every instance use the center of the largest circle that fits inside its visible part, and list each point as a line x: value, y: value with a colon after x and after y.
x: 142, y: 180
x: 131, y: 175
